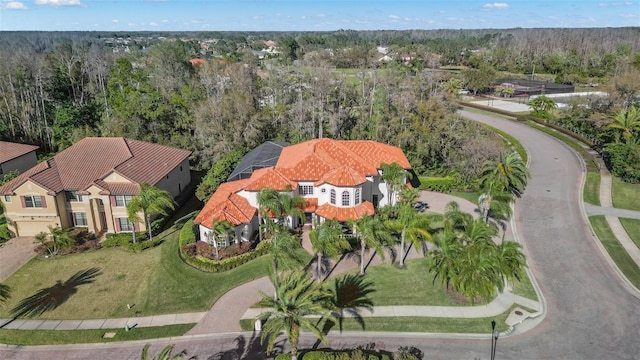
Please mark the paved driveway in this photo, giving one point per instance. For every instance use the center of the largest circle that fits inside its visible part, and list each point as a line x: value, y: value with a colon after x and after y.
x: 15, y: 253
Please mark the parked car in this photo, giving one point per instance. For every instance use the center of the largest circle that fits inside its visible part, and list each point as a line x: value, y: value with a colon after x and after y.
x: 421, y: 206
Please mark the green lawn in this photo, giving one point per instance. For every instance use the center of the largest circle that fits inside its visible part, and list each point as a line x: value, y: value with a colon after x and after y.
x: 57, y: 337
x: 591, y: 193
x: 619, y: 255
x: 155, y: 280
x: 418, y: 324
x: 632, y: 226
x: 625, y: 195
x: 412, y: 285
x: 471, y: 196
x: 524, y: 288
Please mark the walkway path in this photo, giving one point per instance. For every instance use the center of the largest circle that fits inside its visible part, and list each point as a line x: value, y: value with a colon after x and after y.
x: 15, y: 253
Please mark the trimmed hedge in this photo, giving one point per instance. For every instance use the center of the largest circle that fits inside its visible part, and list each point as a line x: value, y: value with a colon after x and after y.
x: 125, y: 240
x: 338, y: 355
x: 440, y: 184
x: 188, y: 236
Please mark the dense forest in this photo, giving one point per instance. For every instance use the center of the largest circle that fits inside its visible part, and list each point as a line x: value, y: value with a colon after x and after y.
x: 58, y: 87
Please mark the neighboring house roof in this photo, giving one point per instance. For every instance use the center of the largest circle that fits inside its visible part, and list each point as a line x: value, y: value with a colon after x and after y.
x: 263, y: 156
x: 10, y: 150
x: 91, y: 159
x: 329, y: 211
x: 226, y: 205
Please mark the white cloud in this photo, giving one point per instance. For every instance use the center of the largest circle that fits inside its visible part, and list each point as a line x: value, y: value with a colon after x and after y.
x: 394, y: 17
x: 153, y: 23
x: 14, y: 5
x: 164, y: 21
x: 615, y: 3
x: 496, y: 6
x: 321, y: 15
x: 115, y: 21
x: 59, y: 2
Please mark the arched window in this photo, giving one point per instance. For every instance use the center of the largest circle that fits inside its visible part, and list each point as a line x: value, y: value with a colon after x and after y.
x: 345, y: 198
x: 356, y: 196
x: 333, y: 196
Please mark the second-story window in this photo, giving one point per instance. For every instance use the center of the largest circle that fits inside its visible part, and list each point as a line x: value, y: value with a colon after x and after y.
x: 356, y: 197
x: 305, y: 189
x: 73, y: 196
x: 333, y: 196
x: 345, y: 198
x: 122, y: 200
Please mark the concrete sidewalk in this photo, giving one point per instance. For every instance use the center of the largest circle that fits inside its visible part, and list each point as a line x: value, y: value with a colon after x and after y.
x: 147, y: 321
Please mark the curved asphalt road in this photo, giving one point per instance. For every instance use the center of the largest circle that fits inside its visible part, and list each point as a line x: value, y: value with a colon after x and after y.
x: 591, y: 312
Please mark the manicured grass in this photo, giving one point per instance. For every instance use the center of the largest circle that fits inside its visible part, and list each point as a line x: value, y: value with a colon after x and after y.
x: 625, y: 195
x: 418, y: 324
x: 591, y: 193
x: 619, y: 255
x: 57, y: 337
x: 412, y: 285
x: 155, y: 280
x: 632, y: 226
x: 471, y: 196
x: 524, y: 288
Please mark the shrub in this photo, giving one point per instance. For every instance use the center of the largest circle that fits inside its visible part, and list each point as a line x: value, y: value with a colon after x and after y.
x: 125, y: 240
x: 624, y: 161
x: 440, y: 184
x: 208, y: 265
x: 188, y: 233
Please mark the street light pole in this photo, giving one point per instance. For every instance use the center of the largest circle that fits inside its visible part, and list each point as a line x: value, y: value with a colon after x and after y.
x: 494, y: 339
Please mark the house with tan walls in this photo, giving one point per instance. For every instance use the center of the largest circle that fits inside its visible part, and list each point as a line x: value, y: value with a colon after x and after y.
x: 14, y: 156
x: 89, y: 185
x: 339, y: 179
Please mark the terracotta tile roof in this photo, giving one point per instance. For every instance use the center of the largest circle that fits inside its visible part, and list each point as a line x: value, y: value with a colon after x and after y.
x: 225, y: 204
x: 91, y: 159
x: 271, y: 178
x: 311, y: 204
x: 342, y: 176
x: 329, y: 211
x: 119, y: 188
x: 311, y: 160
x: 8, y: 188
x: 10, y: 150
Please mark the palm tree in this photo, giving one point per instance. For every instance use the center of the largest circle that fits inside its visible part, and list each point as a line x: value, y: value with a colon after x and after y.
x: 511, y: 260
x: 290, y: 206
x: 268, y: 200
x: 443, y: 257
x: 299, y: 301
x: 327, y: 240
x: 454, y: 218
x: 371, y: 232
x: 413, y: 227
x: 508, y: 173
x: 495, y: 204
x: 5, y: 294
x: 478, y: 272
x: 164, y: 354
x: 284, y: 248
x: 394, y: 176
x: 151, y: 201
x: 220, y: 229
x: 350, y: 295
x: 59, y: 237
x: 628, y: 121
x: 542, y: 104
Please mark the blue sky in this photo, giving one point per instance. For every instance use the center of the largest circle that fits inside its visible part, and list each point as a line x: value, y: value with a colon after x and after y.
x: 310, y: 15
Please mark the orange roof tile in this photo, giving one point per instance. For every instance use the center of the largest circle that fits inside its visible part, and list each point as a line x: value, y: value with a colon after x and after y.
x: 311, y: 204
x: 226, y: 205
x: 311, y: 160
x: 271, y: 178
x: 329, y: 211
x: 342, y: 176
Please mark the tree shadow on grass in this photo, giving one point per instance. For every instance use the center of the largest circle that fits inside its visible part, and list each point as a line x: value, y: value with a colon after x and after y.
x: 50, y: 298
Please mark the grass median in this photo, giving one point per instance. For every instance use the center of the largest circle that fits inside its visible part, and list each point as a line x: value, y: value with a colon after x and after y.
x: 617, y: 252
x: 58, y: 337
x: 625, y: 195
